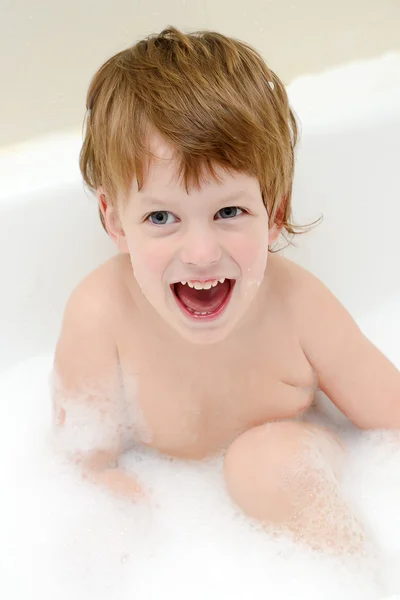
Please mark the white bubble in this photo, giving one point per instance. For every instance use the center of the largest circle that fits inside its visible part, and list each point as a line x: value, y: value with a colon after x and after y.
x: 71, y: 539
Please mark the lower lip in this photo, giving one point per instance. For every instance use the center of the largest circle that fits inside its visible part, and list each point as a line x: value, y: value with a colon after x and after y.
x: 211, y: 317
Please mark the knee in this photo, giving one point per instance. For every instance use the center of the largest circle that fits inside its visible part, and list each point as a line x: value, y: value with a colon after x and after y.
x: 264, y: 464
x: 270, y: 449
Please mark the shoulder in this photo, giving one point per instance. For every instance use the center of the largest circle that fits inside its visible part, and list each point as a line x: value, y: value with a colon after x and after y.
x: 290, y: 282
x: 99, y: 294
x: 86, y: 346
x: 315, y: 313
x: 307, y: 300
x: 294, y: 281
x: 105, y: 282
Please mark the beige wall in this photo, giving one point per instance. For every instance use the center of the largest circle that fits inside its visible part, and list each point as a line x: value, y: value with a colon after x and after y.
x: 49, y: 49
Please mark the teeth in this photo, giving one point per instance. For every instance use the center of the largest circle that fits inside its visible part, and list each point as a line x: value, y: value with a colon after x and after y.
x: 202, y: 286
x: 198, y: 285
x: 195, y: 312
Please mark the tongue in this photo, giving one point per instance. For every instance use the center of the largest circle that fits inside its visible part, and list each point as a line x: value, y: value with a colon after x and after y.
x: 203, y: 300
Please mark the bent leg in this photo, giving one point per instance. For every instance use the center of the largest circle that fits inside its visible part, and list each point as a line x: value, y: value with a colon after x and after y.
x: 286, y: 475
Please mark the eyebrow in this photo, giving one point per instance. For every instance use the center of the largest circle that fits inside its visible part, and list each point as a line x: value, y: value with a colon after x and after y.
x: 153, y: 201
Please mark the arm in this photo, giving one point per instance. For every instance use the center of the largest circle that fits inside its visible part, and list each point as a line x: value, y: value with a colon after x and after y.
x: 351, y: 371
x: 86, y: 392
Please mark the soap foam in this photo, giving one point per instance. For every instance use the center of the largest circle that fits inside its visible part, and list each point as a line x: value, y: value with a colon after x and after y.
x: 65, y: 537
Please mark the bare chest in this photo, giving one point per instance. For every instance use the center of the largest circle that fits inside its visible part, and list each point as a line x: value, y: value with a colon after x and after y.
x: 193, y: 405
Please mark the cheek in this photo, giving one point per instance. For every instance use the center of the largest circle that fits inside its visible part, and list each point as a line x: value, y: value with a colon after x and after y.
x: 251, y: 251
x: 147, y: 257
x: 153, y: 262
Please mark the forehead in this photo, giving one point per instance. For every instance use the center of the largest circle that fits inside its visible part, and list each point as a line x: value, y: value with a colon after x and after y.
x: 162, y: 175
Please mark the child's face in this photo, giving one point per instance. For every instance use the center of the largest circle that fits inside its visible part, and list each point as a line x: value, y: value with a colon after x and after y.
x: 219, y: 231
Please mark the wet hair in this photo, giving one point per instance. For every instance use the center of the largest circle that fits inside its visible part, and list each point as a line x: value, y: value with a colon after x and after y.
x: 212, y: 98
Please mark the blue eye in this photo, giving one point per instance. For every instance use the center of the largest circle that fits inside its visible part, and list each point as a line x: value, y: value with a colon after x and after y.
x: 229, y: 212
x: 160, y: 217
x: 164, y: 217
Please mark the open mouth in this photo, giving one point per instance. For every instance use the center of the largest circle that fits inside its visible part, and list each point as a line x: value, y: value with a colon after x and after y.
x: 203, y: 304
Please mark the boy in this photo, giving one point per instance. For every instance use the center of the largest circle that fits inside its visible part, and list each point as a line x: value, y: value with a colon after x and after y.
x: 196, y: 339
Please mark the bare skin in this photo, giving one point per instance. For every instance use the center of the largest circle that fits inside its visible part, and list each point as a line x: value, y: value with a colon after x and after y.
x: 131, y: 367
x: 246, y: 397
x: 210, y: 394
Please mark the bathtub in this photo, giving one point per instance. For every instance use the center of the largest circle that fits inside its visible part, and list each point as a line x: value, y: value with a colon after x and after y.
x: 63, y: 539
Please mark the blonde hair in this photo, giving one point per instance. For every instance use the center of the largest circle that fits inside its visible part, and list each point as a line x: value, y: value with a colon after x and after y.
x: 211, y: 97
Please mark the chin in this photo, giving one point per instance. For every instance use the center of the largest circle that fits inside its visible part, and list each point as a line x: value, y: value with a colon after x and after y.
x: 204, y: 338
x: 212, y: 333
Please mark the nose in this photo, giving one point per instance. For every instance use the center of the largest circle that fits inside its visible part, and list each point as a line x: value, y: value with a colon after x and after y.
x: 200, y: 247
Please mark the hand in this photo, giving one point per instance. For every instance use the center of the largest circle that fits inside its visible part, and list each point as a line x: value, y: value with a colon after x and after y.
x: 118, y: 482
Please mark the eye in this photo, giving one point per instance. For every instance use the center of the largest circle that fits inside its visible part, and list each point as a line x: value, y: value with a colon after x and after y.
x: 229, y: 212
x: 160, y: 217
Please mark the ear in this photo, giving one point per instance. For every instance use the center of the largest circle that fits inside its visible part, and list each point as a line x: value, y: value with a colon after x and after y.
x: 277, y: 227
x: 111, y: 221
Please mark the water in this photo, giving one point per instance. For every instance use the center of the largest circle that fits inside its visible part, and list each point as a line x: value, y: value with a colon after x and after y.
x: 63, y: 538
